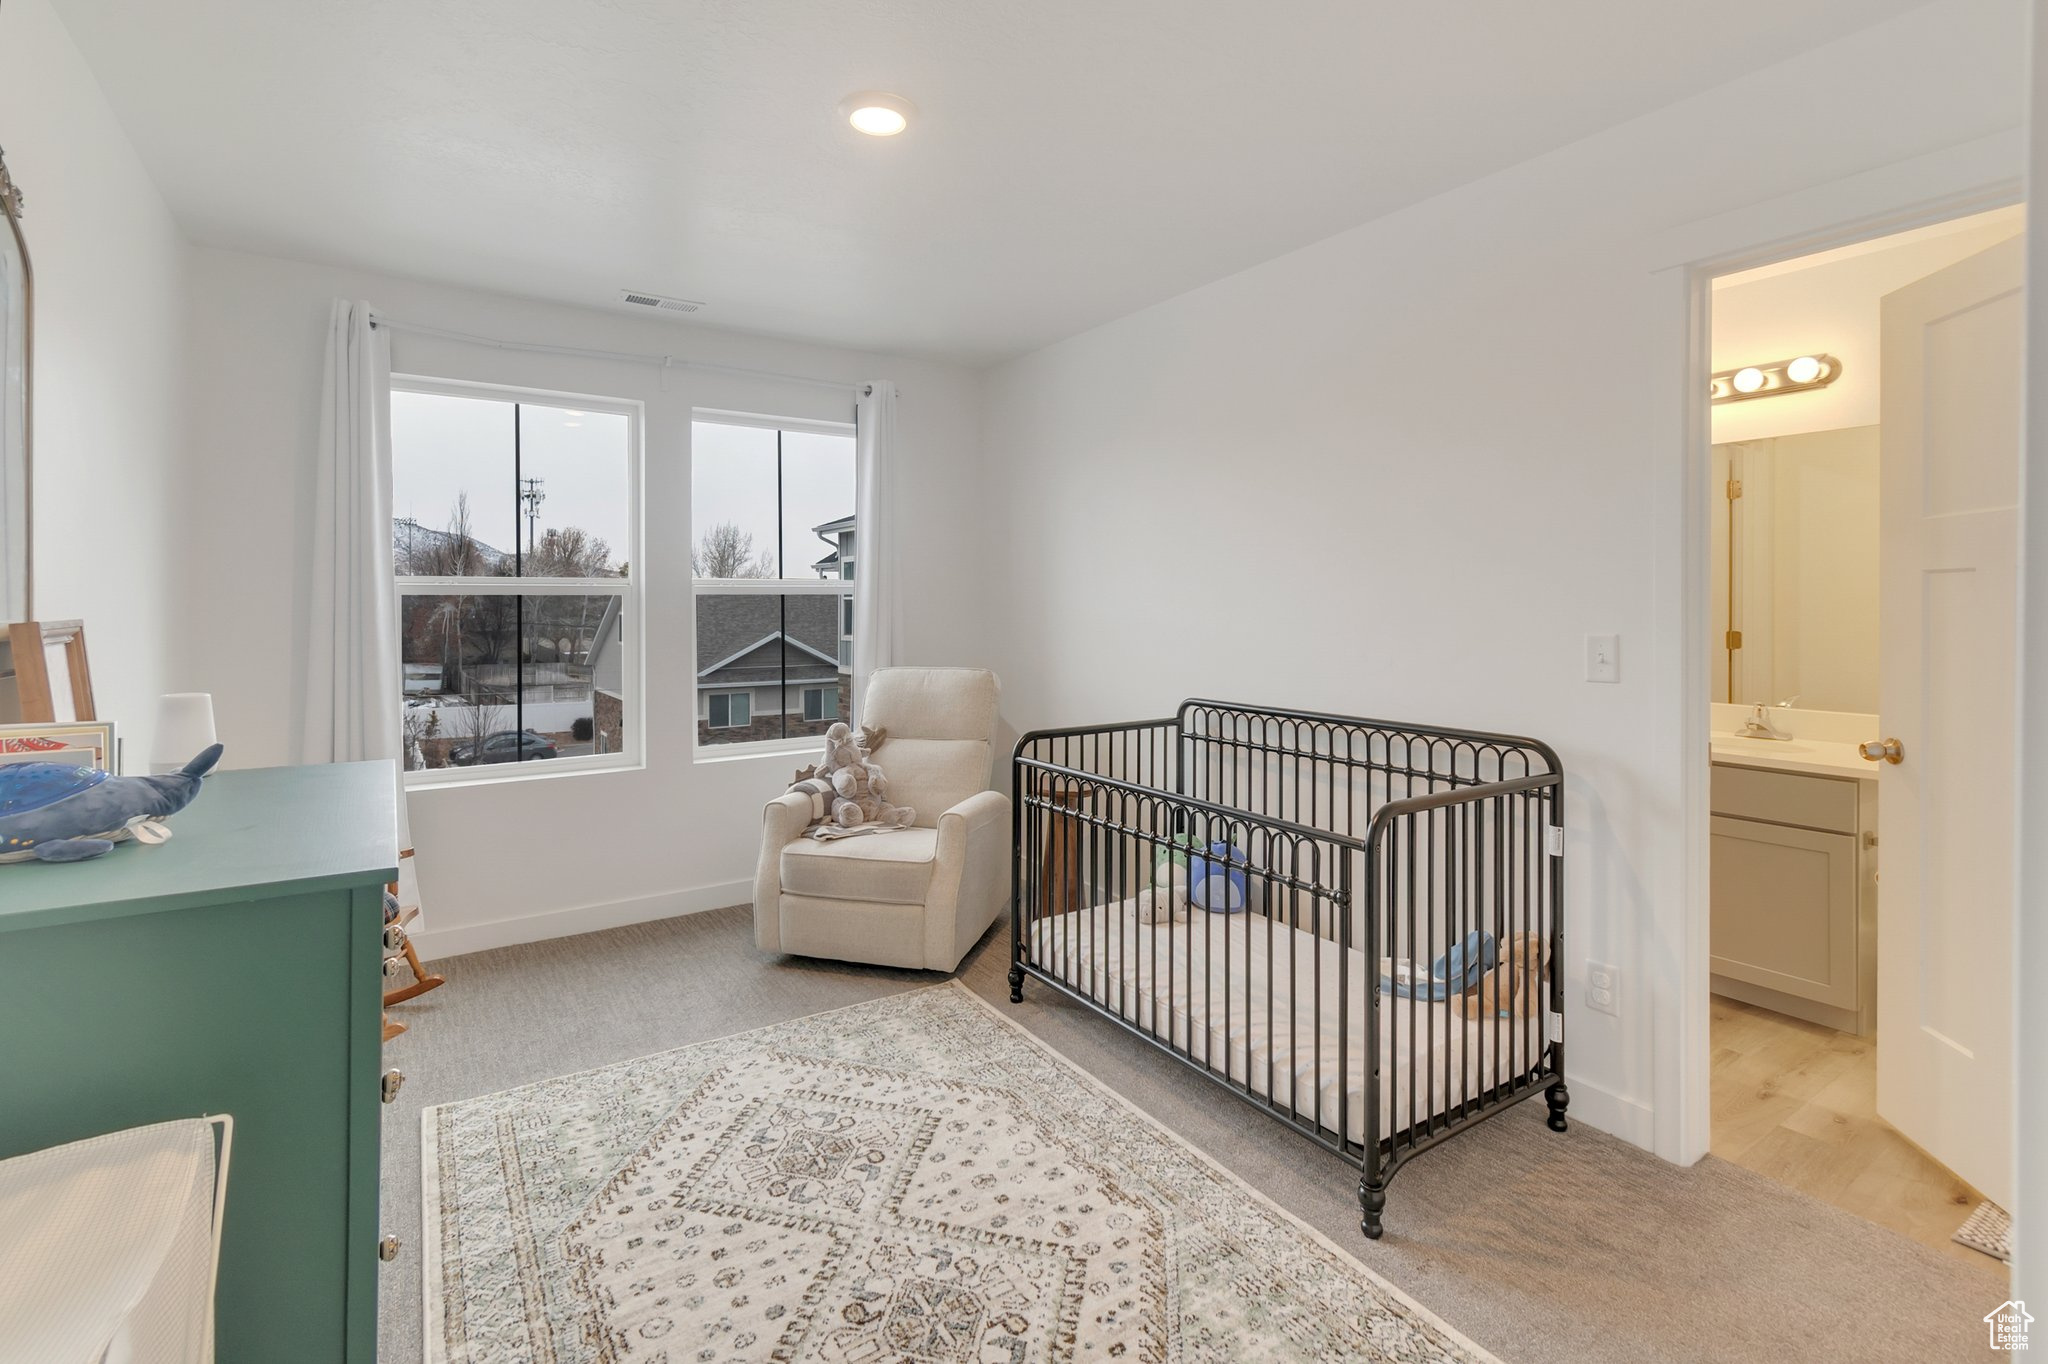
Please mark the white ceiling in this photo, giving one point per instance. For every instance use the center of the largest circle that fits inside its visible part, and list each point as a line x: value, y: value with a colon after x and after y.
x: 1075, y: 159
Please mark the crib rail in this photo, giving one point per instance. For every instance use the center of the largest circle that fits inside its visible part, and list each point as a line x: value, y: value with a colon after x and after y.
x: 1352, y: 925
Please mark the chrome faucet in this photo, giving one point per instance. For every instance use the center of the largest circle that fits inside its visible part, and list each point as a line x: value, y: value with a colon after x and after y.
x: 1759, y: 726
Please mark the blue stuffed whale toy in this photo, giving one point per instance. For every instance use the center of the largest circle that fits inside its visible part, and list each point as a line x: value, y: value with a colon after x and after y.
x: 54, y: 812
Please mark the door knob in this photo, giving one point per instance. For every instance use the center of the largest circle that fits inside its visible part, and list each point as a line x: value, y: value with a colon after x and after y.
x: 1886, y: 750
x: 387, y: 1249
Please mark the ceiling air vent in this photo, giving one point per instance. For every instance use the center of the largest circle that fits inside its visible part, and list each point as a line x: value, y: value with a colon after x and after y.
x: 658, y: 301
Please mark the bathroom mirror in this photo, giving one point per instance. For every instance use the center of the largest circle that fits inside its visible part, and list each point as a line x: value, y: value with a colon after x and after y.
x: 16, y: 374
x: 1794, y: 573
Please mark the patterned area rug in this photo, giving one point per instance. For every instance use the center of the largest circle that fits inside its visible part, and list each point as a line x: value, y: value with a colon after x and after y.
x: 912, y: 1179
x: 1988, y: 1229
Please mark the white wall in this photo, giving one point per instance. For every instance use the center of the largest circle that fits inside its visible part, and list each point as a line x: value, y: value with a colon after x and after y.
x: 1404, y: 472
x: 109, y: 399
x: 1830, y: 303
x: 511, y: 860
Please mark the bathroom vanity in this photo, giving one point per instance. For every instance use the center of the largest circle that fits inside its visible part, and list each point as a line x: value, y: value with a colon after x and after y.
x: 1794, y: 868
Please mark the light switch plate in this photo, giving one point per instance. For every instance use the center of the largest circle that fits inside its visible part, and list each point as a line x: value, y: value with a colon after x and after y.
x: 1603, y: 658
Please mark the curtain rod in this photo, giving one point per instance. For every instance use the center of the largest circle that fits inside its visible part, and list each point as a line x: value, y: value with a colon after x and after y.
x: 628, y: 357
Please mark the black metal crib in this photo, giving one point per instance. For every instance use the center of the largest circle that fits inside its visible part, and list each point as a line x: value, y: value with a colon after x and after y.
x: 1235, y: 884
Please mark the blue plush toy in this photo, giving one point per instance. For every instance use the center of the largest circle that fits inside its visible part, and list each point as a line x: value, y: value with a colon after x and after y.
x: 1213, y: 883
x: 54, y: 812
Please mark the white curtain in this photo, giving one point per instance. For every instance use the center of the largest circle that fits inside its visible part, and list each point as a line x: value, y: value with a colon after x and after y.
x: 352, y: 682
x: 876, y: 615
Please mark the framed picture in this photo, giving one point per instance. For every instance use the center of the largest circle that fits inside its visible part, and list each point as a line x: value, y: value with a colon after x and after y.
x: 88, y: 743
x: 44, y: 676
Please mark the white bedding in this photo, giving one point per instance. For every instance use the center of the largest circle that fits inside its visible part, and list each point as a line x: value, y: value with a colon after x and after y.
x: 1277, y: 1040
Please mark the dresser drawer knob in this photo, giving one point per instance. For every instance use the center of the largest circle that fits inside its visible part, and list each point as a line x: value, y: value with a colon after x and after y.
x: 387, y: 1249
x: 391, y: 965
x: 394, y: 937
x: 389, y: 1087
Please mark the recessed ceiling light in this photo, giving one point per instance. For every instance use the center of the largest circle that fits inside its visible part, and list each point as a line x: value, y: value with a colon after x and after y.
x: 877, y: 113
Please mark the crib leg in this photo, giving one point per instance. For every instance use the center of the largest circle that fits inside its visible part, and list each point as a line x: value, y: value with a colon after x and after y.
x: 1559, y: 1098
x: 1372, y: 1201
x: 1016, y: 984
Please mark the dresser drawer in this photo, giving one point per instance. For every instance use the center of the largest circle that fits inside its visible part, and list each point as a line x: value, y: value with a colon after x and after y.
x: 1785, y: 798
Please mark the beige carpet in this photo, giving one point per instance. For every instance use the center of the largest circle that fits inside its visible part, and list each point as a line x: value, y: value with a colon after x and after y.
x: 912, y: 1178
x: 1538, y: 1247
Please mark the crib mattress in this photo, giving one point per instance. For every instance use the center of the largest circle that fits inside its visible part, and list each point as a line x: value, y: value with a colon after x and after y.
x: 1238, y: 993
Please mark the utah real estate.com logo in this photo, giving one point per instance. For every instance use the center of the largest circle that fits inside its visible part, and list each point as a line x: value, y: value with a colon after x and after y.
x: 2008, y: 1325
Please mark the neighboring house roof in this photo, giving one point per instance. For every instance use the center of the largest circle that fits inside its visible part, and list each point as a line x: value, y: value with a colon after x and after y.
x: 834, y: 533
x: 740, y: 638
x: 770, y: 661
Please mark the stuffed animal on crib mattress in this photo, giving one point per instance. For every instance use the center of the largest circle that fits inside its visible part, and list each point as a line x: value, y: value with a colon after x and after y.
x: 55, y: 812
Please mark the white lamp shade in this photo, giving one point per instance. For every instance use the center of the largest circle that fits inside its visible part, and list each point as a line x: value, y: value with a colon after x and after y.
x: 184, y: 729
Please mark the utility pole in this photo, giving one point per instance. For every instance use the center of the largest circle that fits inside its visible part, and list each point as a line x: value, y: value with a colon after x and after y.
x: 531, y: 496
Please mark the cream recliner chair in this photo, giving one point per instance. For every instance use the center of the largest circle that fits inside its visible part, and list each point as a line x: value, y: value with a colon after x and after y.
x: 917, y: 897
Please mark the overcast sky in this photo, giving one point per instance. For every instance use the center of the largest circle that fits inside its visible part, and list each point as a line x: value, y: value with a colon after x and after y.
x: 442, y: 446
x: 732, y: 478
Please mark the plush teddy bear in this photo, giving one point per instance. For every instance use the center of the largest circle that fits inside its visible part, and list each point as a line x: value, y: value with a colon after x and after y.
x: 846, y: 788
x: 864, y: 796
x: 1512, y: 989
x: 1166, y: 900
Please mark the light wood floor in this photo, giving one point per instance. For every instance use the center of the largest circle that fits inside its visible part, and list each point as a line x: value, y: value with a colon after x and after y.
x: 1798, y: 1102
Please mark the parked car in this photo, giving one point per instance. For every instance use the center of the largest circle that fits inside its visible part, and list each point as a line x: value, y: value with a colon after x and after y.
x: 506, y: 746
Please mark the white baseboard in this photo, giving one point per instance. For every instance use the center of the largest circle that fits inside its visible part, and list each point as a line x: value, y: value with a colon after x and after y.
x: 561, y: 923
x: 1599, y: 1107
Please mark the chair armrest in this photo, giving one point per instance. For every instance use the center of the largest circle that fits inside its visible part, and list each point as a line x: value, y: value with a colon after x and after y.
x: 782, y: 822
x: 970, y: 876
x: 979, y: 809
x: 785, y: 817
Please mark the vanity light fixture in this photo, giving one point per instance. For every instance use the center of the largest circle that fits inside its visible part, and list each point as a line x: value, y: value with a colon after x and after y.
x: 877, y: 112
x: 1797, y: 375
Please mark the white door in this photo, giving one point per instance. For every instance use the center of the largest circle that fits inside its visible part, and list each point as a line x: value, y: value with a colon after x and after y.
x: 1948, y: 616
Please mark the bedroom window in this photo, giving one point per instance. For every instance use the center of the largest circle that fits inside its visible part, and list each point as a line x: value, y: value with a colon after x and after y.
x: 772, y: 539
x: 513, y: 540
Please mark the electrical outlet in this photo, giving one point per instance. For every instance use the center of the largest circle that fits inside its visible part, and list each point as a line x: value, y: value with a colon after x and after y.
x: 1603, y: 658
x: 1603, y: 988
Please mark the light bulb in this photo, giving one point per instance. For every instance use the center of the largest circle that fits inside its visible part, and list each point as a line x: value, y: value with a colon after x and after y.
x: 877, y: 113
x: 878, y: 122
x: 1748, y: 380
x: 1804, y: 370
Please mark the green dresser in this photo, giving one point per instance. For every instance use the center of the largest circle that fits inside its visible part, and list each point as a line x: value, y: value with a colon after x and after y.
x: 234, y: 969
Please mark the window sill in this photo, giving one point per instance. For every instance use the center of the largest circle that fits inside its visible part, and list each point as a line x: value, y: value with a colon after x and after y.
x: 497, y: 774
x: 760, y: 748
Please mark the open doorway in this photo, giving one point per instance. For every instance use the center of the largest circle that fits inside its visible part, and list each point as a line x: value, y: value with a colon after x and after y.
x: 1862, y: 585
